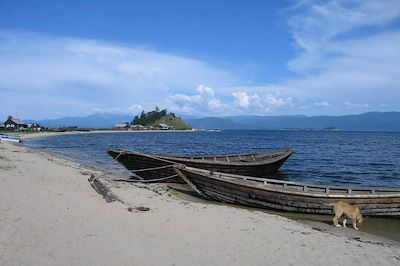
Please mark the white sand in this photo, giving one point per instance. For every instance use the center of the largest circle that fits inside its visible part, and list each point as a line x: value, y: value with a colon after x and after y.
x: 50, y: 215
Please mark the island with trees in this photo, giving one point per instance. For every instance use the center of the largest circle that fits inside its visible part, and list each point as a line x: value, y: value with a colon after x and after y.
x: 159, y: 120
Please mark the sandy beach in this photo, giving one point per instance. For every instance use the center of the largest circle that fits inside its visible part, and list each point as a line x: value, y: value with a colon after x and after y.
x: 50, y: 215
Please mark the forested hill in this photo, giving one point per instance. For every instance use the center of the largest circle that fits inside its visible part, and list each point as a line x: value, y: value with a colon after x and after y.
x: 160, y: 117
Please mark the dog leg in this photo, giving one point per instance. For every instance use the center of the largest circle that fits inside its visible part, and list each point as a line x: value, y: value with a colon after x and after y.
x: 344, y: 223
x: 335, y: 221
x: 355, y: 225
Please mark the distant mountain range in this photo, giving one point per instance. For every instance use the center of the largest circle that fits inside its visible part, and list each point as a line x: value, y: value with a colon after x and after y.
x: 99, y: 120
x: 372, y: 121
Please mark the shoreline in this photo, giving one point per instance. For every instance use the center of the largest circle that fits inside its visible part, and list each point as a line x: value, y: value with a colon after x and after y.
x: 381, y: 227
x: 51, y: 215
x: 29, y: 135
x: 384, y: 228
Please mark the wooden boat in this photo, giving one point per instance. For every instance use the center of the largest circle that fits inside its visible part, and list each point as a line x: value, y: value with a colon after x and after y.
x: 289, y: 196
x: 158, y: 168
x: 10, y: 138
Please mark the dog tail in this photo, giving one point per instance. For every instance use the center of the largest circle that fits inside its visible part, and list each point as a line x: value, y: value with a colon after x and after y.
x: 329, y: 204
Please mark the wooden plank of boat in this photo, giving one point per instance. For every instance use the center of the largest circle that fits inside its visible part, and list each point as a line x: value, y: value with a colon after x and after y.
x: 289, y: 196
x: 255, y: 164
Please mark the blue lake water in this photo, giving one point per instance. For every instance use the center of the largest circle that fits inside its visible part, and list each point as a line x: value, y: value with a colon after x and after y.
x: 335, y: 158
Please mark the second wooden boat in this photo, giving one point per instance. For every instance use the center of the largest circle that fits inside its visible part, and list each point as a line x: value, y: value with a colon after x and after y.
x: 289, y: 196
x: 158, y: 168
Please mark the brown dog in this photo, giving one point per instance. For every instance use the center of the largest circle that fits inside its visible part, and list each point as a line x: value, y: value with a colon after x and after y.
x: 349, y: 210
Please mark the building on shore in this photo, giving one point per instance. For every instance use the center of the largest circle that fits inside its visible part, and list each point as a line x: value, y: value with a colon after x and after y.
x: 34, y: 127
x: 162, y: 126
x: 137, y: 127
x: 16, y: 124
x: 123, y: 126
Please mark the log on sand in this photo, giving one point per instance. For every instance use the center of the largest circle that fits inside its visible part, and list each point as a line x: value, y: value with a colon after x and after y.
x: 110, y: 196
x: 103, y: 190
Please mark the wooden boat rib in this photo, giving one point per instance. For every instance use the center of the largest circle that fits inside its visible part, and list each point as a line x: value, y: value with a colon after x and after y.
x: 289, y: 196
x: 151, y: 167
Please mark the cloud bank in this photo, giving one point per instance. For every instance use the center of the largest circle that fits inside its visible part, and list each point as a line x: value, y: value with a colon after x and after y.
x: 347, y: 51
x: 73, y: 76
x: 347, y: 61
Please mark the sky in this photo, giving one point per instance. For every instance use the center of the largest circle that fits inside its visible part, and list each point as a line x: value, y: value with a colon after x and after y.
x: 198, y: 58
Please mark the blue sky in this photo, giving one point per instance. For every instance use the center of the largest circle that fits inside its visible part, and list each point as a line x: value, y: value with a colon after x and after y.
x: 201, y: 58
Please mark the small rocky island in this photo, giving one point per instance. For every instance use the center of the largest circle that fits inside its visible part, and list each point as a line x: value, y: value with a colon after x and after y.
x: 158, y: 120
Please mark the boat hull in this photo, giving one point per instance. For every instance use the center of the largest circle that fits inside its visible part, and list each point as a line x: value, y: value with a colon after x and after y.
x: 135, y: 163
x: 385, y: 203
x: 259, y: 164
x: 9, y: 138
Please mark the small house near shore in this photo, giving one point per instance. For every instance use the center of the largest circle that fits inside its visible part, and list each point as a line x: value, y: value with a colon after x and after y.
x: 123, y: 126
x: 34, y: 127
x: 14, y: 124
x: 162, y: 126
x: 137, y: 127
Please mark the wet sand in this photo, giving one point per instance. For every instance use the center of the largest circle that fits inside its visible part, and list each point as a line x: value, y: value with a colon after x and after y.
x: 384, y: 229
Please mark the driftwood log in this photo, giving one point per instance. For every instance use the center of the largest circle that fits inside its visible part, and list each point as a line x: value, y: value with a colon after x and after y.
x: 103, y: 190
x: 110, y: 196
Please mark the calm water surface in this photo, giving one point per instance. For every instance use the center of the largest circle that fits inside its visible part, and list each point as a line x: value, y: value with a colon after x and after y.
x: 336, y: 158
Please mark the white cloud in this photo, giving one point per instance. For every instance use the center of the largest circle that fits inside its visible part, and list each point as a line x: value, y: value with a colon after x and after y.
x: 346, y: 50
x: 214, y: 104
x: 319, y: 28
x: 205, y: 90
x: 346, y: 53
x: 356, y: 105
x: 323, y: 104
x: 203, y: 102
x: 207, y: 94
x: 206, y: 102
x: 182, y: 99
x: 242, y: 99
x: 135, y: 108
x: 274, y: 101
x: 132, y: 109
x: 82, y: 75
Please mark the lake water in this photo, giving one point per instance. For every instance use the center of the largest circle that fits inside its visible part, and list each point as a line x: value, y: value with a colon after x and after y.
x: 335, y: 158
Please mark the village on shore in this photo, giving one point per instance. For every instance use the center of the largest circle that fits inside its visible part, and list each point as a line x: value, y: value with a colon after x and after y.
x: 153, y: 120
